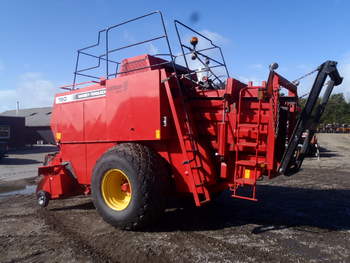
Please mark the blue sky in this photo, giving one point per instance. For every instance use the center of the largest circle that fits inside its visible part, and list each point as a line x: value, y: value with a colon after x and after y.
x: 39, y: 39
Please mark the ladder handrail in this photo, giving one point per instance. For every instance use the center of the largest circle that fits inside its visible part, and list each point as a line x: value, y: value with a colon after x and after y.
x: 194, y: 147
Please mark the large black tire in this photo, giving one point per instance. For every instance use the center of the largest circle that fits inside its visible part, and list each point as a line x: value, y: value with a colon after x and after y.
x: 146, y: 172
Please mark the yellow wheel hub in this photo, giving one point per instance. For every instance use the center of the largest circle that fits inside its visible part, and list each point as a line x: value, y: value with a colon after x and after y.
x: 116, y: 189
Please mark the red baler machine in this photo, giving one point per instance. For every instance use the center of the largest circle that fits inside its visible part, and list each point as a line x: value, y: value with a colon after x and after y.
x: 156, y: 127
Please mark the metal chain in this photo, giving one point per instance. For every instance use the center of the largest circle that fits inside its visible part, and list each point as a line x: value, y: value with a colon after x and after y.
x: 274, y: 116
x: 278, y: 118
x: 304, y: 95
x: 273, y: 110
x: 304, y: 76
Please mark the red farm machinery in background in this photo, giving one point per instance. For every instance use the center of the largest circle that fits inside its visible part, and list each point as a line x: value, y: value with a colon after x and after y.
x: 153, y: 126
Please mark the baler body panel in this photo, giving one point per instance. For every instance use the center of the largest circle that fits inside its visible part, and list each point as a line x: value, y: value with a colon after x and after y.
x: 214, y: 134
x: 133, y: 107
x: 111, y: 116
x: 88, y: 127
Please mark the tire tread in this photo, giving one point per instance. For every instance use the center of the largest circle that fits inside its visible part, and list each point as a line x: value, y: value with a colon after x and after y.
x: 150, y: 168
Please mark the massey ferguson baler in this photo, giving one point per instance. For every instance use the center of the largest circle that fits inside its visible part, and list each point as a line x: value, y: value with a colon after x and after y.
x: 153, y: 127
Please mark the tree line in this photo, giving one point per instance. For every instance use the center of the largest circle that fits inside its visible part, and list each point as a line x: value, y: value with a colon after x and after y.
x: 337, y: 109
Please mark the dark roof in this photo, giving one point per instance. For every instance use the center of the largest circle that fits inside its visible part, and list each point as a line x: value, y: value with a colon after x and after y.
x: 35, y: 117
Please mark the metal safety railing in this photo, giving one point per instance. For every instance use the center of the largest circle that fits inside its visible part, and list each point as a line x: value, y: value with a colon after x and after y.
x: 201, y: 54
x: 105, y: 57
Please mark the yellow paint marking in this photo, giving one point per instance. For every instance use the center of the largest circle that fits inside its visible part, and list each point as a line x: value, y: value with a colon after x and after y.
x: 58, y: 136
x: 157, y: 134
x: 246, y: 173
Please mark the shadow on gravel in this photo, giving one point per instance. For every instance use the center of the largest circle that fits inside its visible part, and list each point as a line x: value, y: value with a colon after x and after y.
x: 325, y: 153
x: 279, y: 208
x: 84, y: 206
x: 17, y: 161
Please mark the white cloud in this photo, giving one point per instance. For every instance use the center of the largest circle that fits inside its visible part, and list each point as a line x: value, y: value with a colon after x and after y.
x: 256, y: 80
x: 256, y: 66
x: 215, y: 37
x: 32, y: 90
x: 152, y: 49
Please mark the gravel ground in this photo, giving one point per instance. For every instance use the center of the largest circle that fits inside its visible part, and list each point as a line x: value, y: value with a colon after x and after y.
x: 303, y: 218
x: 21, y: 164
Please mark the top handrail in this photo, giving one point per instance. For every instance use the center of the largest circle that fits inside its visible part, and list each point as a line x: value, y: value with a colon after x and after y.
x: 106, y: 56
x: 214, y: 46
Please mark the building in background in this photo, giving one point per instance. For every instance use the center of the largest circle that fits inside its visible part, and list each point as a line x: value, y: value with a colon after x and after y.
x: 37, y: 124
x: 12, y: 131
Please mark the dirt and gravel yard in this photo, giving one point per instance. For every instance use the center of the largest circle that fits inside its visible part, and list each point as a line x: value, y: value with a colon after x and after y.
x: 303, y: 218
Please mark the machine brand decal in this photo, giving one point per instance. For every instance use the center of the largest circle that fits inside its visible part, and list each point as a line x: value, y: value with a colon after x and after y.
x: 119, y: 88
x: 81, y: 96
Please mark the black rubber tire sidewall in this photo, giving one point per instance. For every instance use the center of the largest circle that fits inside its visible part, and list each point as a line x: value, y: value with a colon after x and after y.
x: 147, y: 202
x: 112, y: 216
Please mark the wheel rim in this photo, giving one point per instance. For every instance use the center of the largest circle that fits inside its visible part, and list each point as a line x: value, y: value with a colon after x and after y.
x: 116, y: 189
x: 41, y: 200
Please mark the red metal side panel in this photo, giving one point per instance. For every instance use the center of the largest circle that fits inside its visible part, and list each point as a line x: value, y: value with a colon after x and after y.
x: 133, y: 107
x: 76, y: 155
x: 171, y: 151
x: 83, y: 158
x: 68, y: 113
x: 92, y: 119
x: 93, y: 152
x: 68, y: 120
x: 126, y: 109
x: 95, y: 120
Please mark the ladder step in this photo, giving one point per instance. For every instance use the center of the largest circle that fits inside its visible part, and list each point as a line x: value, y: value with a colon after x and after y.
x: 246, y: 162
x: 245, y: 181
x: 188, y: 137
x: 252, y: 197
x: 252, y: 163
x: 244, y: 197
x: 248, y: 144
x: 248, y: 125
x: 205, y: 201
x: 255, y: 131
x: 260, y: 147
x: 200, y: 201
